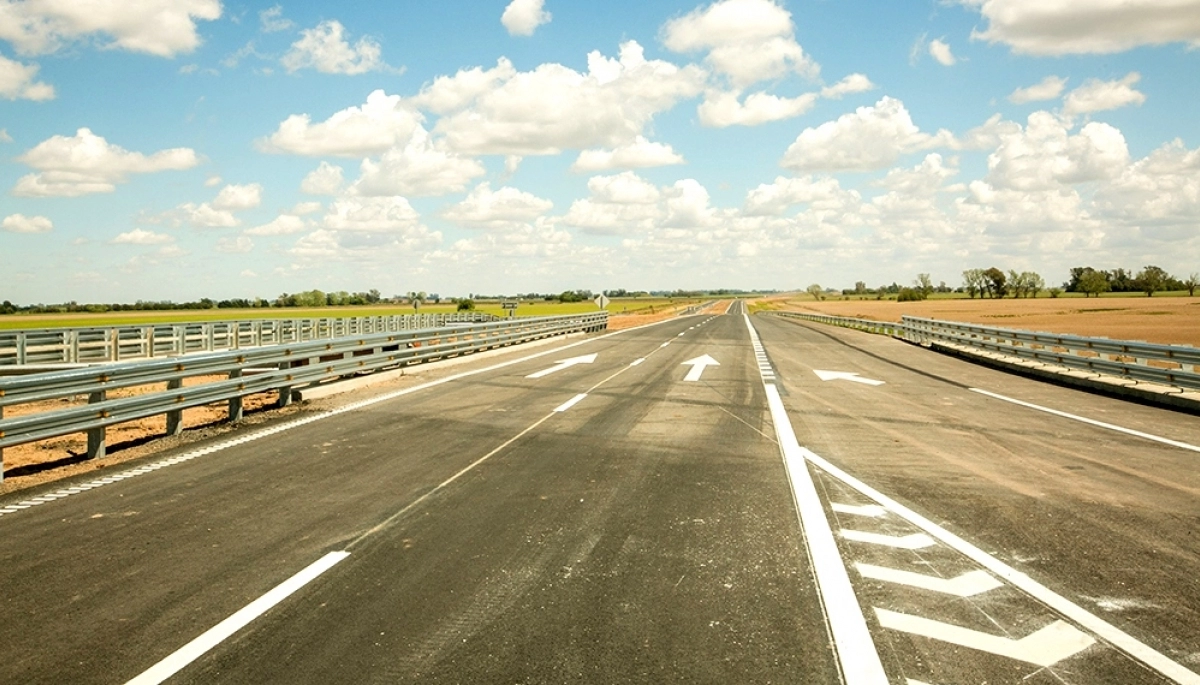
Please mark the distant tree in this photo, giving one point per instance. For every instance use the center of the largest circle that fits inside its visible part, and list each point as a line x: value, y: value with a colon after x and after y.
x: 1152, y: 279
x: 1055, y: 292
x: 910, y: 295
x: 860, y: 287
x: 1092, y: 283
x: 816, y: 291
x: 973, y: 282
x: 994, y: 282
x: 464, y: 304
x: 1192, y: 282
x: 925, y: 285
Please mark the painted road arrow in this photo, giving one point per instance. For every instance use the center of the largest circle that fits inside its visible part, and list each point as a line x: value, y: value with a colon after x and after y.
x: 563, y: 364
x: 698, y: 365
x: 1046, y: 647
x: 967, y: 585
x: 845, y: 376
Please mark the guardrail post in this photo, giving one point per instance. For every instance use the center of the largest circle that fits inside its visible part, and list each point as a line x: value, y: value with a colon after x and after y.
x: 285, y: 391
x: 235, y: 403
x: 175, y: 416
x: 1, y: 450
x: 96, y: 447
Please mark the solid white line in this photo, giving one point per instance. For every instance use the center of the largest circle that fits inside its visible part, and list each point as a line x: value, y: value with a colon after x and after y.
x: 857, y: 655
x: 218, y: 633
x: 637, y: 361
x: 1093, y: 422
x: 571, y: 402
x: 1105, y: 630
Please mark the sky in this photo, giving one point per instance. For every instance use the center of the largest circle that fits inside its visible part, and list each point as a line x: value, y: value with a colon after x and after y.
x: 178, y: 149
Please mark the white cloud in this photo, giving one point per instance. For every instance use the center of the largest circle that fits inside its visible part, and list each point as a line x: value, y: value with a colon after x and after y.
x: 553, y: 107
x: 234, y: 245
x: 16, y: 82
x: 204, y: 215
x: 722, y: 109
x: 869, y: 138
x: 940, y: 51
x: 326, y: 179
x: 381, y: 123
x: 325, y: 49
x: 854, y: 83
x: 747, y: 40
x: 372, y: 214
x: 4, y: 137
x: 284, y: 224
x: 86, y: 163
x: 1097, y: 96
x: 1093, y: 27
x: 159, y: 27
x: 1048, y: 88
x: 305, y: 208
x: 484, y: 207
x: 1163, y: 188
x: 239, y: 197
x: 19, y: 223
x: 621, y: 203
x: 212, y: 181
x: 450, y: 93
x: 419, y: 168
x: 1045, y: 156
x: 626, y: 188
x: 639, y: 154
x: 272, y: 20
x: 522, y: 17
x: 823, y: 194
x: 142, y: 237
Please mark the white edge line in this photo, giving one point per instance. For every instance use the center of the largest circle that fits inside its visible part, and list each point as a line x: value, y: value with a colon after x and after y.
x: 571, y: 402
x: 218, y: 633
x: 856, y: 652
x: 1093, y: 422
x: 1105, y: 630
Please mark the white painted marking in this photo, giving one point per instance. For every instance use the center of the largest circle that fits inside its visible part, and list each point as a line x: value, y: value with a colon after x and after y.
x: 223, y: 630
x: 845, y: 376
x: 665, y: 344
x: 1093, y: 422
x: 698, y: 365
x: 871, y: 510
x: 1046, y: 647
x: 680, y: 335
x: 571, y: 402
x: 637, y: 361
x: 857, y: 656
x: 1103, y: 629
x: 564, y: 364
x: 967, y: 585
x: 914, y: 541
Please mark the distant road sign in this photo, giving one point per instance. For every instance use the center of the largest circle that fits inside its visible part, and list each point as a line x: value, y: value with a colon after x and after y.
x: 509, y: 304
x: 601, y: 301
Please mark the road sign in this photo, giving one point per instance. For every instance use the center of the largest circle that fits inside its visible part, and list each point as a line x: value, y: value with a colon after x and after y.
x: 509, y: 304
x: 601, y: 301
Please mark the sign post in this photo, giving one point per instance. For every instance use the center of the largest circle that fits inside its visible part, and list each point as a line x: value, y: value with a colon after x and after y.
x: 511, y: 306
x: 601, y: 301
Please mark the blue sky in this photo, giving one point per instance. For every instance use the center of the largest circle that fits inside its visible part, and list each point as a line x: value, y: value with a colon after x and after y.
x: 177, y: 149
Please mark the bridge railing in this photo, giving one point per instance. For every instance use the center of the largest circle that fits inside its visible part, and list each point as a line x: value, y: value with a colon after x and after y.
x: 260, y: 369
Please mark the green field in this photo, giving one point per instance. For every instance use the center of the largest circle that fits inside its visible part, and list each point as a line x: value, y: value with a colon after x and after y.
x: 530, y: 308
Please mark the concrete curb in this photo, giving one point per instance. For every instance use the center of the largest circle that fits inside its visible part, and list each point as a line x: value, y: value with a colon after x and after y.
x: 1142, y: 391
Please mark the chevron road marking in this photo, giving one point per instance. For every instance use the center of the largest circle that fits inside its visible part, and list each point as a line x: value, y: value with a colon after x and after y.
x: 914, y: 541
x: 871, y: 510
x: 967, y: 585
x: 1045, y: 647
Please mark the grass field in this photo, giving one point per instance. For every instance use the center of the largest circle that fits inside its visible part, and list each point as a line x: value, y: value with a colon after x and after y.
x: 640, y: 305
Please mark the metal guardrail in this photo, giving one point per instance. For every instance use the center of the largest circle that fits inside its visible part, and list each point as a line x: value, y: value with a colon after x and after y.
x: 1177, y: 365
x: 277, y: 367
x: 103, y: 344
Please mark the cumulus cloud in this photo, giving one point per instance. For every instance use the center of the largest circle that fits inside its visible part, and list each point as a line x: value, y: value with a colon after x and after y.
x: 1049, y: 88
x: 326, y: 179
x: 522, y: 17
x: 639, y: 154
x: 19, y: 223
x: 204, y: 215
x: 326, y: 49
x: 854, y: 83
x: 234, y: 245
x: 1044, y: 155
x: 381, y: 123
x: 418, y: 168
x: 372, y: 215
x: 940, y: 51
x: 239, y: 197
x: 1162, y: 188
x: 272, y: 20
x: 824, y: 194
x: 485, y: 207
x: 867, y: 139
x: 140, y: 236
x: 1093, y: 27
x: 284, y: 224
x: 1097, y: 96
x: 722, y: 109
x: 158, y: 27
x: 86, y: 163
x: 747, y: 40
x: 617, y: 204
x: 17, y: 82
x: 451, y: 93
x: 553, y: 107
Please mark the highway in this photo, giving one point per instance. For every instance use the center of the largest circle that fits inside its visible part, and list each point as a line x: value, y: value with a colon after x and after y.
x: 717, y: 498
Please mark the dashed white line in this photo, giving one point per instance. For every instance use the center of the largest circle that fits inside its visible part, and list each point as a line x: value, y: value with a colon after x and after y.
x: 571, y: 402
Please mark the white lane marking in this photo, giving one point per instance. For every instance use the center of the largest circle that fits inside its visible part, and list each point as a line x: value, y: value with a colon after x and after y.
x: 870, y: 510
x: 637, y: 361
x: 845, y: 376
x: 1045, y: 647
x: 1105, y: 630
x: 1093, y: 422
x: 914, y: 541
x: 564, y: 364
x: 680, y: 335
x: 218, y: 633
x: 665, y: 344
x: 571, y: 402
x: 967, y: 585
x: 699, y: 364
x: 857, y: 655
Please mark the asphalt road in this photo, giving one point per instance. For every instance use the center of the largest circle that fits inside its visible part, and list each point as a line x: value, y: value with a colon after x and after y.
x: 633, y: 517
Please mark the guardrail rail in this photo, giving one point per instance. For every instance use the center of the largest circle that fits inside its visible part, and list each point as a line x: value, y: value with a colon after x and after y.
x: 246, y: 372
